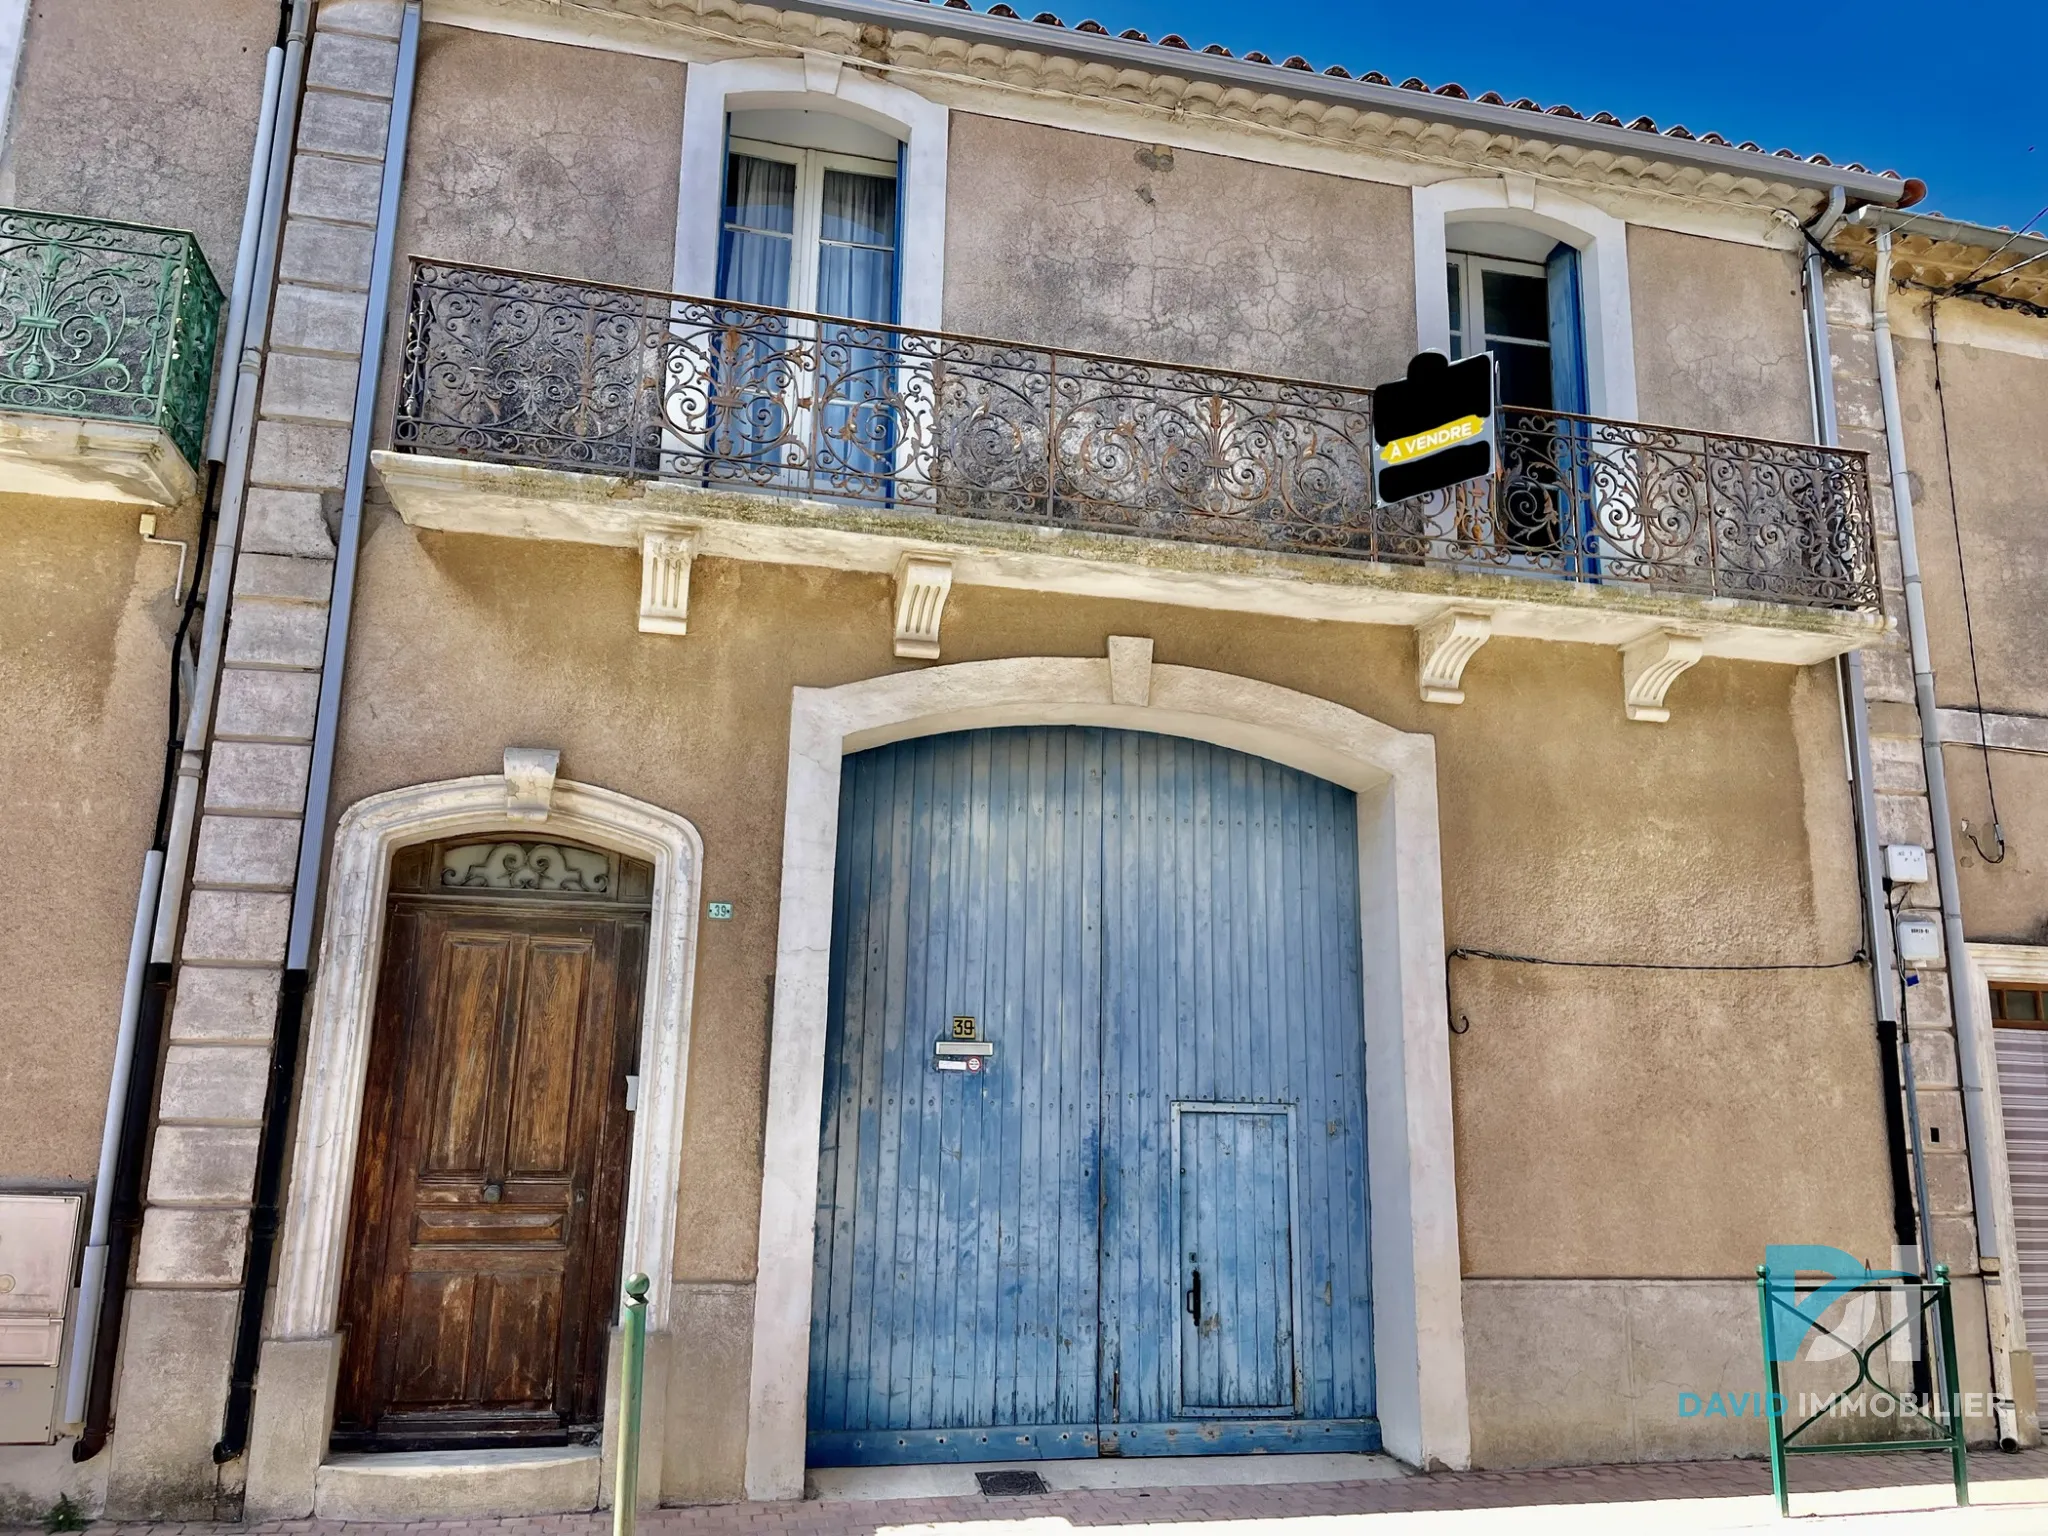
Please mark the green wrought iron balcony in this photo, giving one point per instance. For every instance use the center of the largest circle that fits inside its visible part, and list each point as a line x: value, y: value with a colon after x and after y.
x: 107, y: 335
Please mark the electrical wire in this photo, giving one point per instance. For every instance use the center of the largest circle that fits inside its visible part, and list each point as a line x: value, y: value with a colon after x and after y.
x: 1955, y: 512
x: 2017, y: 234
x: 188, y: 608
x: 1861, y: 957
x: 1972, y: 284
x: 1461, y: 1022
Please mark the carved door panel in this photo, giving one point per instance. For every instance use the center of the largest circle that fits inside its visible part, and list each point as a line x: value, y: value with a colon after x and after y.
x: 492, y: 1177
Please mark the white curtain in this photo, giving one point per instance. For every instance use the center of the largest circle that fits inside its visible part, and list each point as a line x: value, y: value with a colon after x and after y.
x: 760, y: 227
x: 857, y: 253
x: 857, y: 280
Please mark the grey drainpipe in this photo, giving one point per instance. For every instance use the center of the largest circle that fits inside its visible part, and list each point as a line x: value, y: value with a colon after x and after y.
x: 313, y: 832
x: 1983, y: 1187
x: 1910, y: 1226
x: 320, y: 782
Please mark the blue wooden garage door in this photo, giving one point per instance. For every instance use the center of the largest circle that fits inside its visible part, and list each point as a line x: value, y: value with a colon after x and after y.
x: 1139, y: 1226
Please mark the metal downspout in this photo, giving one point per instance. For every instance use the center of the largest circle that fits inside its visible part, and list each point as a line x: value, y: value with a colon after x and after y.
x: 245, y: 251
x: 263, y: 1221
x: 92, y: 1269
x: 1983, y: 1186
x: 1910, y: 1228
x: 96, y: 1322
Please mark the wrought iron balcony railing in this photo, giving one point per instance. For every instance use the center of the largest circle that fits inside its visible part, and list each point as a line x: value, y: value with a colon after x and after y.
x: 109, y: 321
x: 520, y: 369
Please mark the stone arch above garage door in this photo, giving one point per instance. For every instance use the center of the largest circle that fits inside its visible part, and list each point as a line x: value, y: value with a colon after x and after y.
x: 1419, y: 1332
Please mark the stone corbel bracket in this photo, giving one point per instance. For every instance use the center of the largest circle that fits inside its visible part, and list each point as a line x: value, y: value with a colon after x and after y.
x: 530, y: 782
x: 1130, y: 670
x: 1442, y: 647
x: 1650, y: 666
x: 923, y: 583
x: 665, y: 559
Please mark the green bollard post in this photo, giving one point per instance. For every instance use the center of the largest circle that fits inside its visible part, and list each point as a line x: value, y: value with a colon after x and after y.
x: 1773, y: 1397
x: 1952, y: 1395
x: 633, y: 1354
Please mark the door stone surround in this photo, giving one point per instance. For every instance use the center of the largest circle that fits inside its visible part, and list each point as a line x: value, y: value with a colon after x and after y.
x: 1419, y: 1347
x: 295, y: 1384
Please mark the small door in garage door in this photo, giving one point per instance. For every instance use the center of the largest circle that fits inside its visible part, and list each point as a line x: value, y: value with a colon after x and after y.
x: 1156, y: 943
x: 1236, y: 1168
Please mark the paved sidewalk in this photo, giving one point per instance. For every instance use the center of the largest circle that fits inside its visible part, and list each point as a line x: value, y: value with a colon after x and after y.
x: 1907, y: 1492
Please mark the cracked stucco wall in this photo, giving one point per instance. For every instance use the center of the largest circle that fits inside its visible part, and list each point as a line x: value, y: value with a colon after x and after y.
x: 1720, y: 338
x: 1994, y: 532
x: 540, y: 157
x: 142, y: 110
x: 543, y: 157
x: 1070, y: 239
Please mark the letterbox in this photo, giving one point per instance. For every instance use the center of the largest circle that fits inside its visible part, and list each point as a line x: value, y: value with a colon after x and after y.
x: 38, y: 1247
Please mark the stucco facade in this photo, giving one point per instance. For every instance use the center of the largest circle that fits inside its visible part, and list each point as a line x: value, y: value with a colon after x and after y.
x: 1664, y: 1061
x: 140, y: 111
x: 1577, y: 1161
x: 1978, y: 465
x: 85, y: 628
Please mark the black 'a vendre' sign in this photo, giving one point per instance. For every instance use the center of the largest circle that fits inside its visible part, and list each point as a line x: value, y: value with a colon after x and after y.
x: 1434, y: 428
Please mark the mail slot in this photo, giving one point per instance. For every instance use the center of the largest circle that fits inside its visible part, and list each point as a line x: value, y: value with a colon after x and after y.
x: 38, y: 1245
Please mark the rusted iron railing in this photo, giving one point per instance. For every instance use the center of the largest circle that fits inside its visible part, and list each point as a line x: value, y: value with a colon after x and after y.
x: 520, y: 369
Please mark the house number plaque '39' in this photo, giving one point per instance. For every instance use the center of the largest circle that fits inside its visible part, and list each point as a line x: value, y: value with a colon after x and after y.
x: 962, y: 1049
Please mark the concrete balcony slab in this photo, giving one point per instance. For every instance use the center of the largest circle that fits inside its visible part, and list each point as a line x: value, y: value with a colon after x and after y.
x: 131, y: 463
x: 508, y: 501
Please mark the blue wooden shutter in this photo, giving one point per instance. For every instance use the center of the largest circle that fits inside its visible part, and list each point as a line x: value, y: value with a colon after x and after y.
x: 1567, y: 332
x: 1578, y: 516
x: 902, y: 193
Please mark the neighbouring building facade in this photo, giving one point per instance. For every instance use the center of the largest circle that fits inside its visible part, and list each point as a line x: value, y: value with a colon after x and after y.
x: 752, y: 644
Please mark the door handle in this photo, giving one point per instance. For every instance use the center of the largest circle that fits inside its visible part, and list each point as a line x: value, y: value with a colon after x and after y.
x: 493, y: 1193
x: 1195, y: 1298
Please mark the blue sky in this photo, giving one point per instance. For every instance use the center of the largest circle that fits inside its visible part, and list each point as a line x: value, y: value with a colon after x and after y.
x: 1963, y: 107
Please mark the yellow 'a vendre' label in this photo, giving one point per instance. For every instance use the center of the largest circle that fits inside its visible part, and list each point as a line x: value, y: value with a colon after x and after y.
x: 1402, y: 449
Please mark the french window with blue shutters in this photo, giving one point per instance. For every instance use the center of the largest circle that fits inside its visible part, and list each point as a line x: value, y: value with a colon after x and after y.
x: 1137, y: 1225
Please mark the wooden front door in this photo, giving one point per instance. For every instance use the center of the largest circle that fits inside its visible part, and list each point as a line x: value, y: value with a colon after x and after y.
x: 484, y: 1261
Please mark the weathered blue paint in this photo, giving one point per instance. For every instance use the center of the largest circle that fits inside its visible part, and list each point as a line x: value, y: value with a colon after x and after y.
x: 1235, y: 1164
x: 1161, y: 939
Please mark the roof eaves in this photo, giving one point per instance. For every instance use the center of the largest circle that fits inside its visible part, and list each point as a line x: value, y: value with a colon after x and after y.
x: 1428, y: 106
x: 1983, y: 237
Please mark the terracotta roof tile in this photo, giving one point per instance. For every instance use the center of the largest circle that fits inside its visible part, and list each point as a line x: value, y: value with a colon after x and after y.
x: 1374, y: 77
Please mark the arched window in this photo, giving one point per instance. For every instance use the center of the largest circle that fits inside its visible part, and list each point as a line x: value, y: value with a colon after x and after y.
x: 1531, y: 271
x: 844, y: 174
x: 809, y: 215
x: 1516, y: 291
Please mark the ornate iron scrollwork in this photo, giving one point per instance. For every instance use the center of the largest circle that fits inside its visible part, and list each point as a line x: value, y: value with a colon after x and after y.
x: 533, y: 370
x: 509, y: 866
x: 108, y: 321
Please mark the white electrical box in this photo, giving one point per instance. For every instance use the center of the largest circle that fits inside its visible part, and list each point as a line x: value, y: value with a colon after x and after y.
x: 1905, y: 863
x: 1919, y: 941
x: 38, y: 1249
